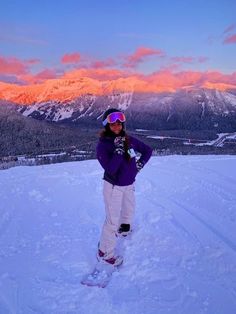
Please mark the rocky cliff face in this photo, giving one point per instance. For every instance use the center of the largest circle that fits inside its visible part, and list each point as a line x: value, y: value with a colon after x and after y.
x: 184, y: 109
x: 83, y: 101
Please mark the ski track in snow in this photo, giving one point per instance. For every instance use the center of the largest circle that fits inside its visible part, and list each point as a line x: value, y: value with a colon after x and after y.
x: 181, y: 257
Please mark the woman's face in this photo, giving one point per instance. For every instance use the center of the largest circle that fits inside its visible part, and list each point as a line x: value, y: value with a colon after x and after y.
x: 116, y: 127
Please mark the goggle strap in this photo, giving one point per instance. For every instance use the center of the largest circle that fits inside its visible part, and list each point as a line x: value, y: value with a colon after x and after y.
x: 104, y: 122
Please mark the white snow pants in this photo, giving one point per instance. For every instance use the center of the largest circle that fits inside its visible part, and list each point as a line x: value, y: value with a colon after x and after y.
x: 119, y: 206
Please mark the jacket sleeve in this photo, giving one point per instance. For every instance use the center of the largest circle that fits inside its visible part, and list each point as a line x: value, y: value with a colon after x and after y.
x: 110, y: 162
x: 143, y: 149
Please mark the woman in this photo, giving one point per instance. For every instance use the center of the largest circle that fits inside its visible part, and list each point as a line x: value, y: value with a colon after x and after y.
x: 116, y: 154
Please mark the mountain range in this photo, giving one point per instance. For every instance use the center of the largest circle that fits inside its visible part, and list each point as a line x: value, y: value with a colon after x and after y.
x: 83, y: 101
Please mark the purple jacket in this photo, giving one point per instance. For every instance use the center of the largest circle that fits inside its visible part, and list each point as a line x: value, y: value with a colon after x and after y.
x: 119, y: 170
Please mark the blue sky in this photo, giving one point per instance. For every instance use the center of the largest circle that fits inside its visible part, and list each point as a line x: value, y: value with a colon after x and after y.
x: 177, y: 35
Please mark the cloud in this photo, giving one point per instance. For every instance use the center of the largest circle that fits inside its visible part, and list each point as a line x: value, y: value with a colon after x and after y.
x: 110, y: 72
x: 103, y: 63
x: 71, y: 58
x: 230, y: 39
x: 12, y: 65
x: 229, y: 28
x: 99, y: 74
x: 140, y: 55
x: 169, y: 81
x: 201, y: 78
x: 226, y: 37
x: 218, y: 77
x: 15, y: 66
x: 39, y: 77
x: 107, y: 82
x: 13, y: 70
x: 163, y: 80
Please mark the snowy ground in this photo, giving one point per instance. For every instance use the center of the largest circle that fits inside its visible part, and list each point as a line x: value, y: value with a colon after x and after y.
x: 181, y: 258
x: 219, y: 142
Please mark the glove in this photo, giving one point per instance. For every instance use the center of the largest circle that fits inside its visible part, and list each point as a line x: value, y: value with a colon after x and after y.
x: 119, y: 142
x: 139, y: 165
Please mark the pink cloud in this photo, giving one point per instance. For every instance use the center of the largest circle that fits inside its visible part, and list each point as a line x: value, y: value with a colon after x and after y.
x: 12, y: 65
x: 71, y: 58
x: 86, y: 81
x: 218, y: 77
x: 162, y: 78
x: 39, y: 77
x: 15, y: 66
x: 189, y: 78
x: 99, y: 74
x: 46, y: 74
x: 167, y: 80
x: 140, y: 55
x: 156, y: 82
x: 102, y: 64
x: 230, y: 39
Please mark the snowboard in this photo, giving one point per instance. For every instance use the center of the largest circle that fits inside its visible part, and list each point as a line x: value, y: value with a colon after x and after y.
x: 100, y: 275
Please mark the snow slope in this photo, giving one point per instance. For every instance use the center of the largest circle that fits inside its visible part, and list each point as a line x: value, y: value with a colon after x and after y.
x: 181, y: 258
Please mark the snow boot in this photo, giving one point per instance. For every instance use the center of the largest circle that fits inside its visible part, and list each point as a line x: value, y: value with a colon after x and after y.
x: 124, y: 230
x: 115, y: 260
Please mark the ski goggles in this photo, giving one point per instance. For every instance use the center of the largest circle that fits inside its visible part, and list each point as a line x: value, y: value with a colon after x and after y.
x: 113, y: 117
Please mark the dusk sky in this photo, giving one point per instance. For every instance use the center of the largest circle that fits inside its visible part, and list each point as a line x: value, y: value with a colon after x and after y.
x: 47, y: 39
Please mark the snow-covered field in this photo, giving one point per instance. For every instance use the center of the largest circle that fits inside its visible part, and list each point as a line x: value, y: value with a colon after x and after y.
x: 219, y: 142
x: 181, y: 258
